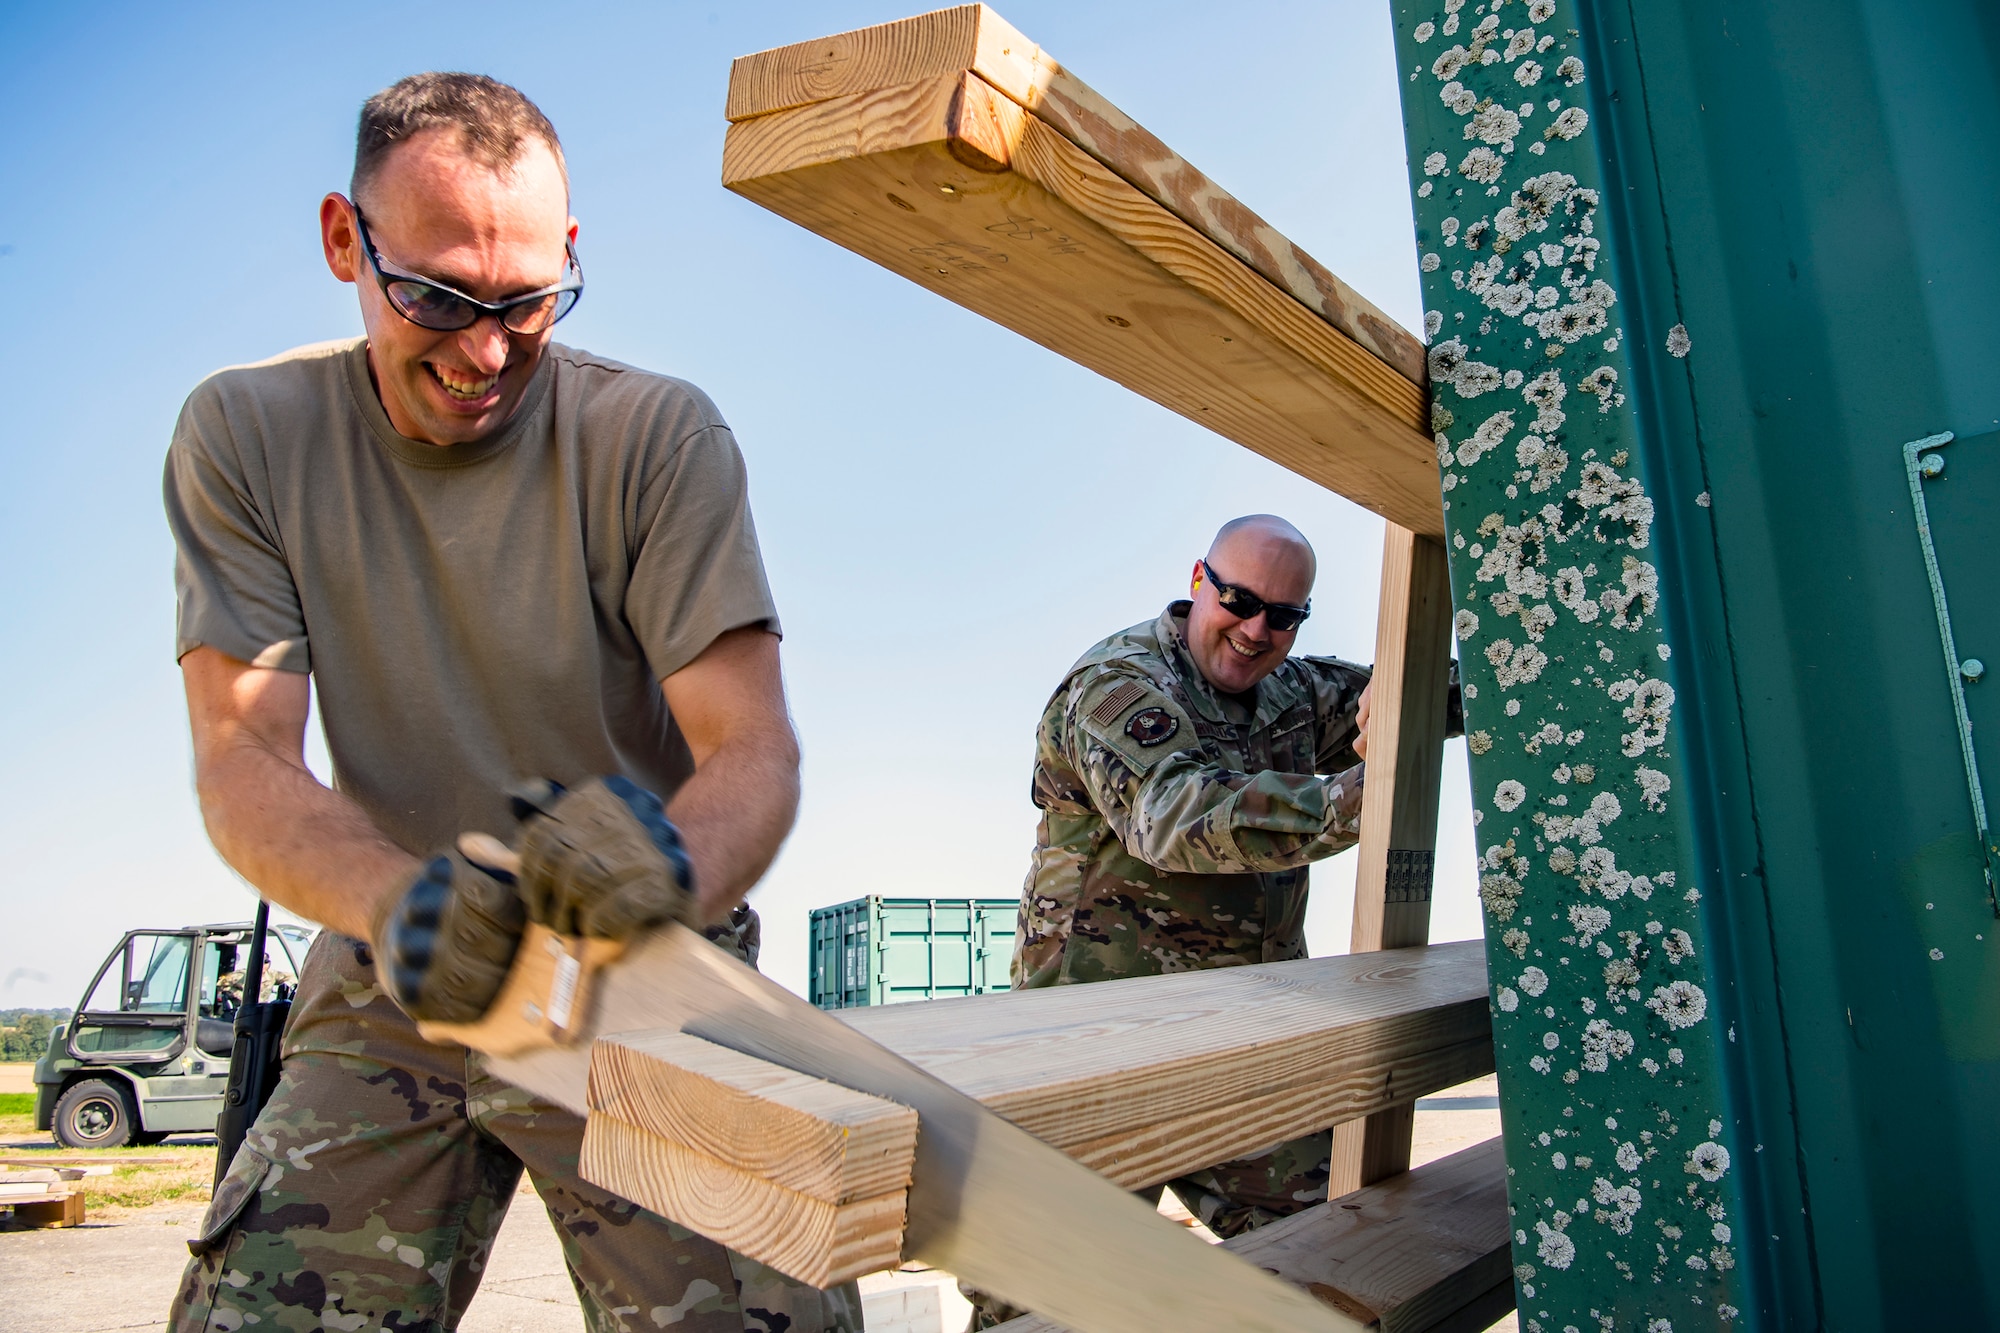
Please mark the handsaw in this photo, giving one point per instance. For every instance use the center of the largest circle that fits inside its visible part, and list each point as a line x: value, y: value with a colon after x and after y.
x: 988, y: 1202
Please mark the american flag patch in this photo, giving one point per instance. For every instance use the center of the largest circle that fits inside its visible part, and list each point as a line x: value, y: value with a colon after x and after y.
x: 1111, y: 705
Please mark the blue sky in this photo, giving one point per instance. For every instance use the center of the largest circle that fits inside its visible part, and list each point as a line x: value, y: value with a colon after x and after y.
x: 950, y: 514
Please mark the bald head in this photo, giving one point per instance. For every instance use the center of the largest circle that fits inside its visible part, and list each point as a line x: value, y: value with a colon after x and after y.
x: 1265, y: 542
x: 1264, y: 555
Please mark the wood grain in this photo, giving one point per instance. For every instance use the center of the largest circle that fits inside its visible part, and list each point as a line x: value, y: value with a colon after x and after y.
x: 1424, y: 1252
x: 1141, y: 1080
x: 1147, y: 1078
x: 980, y: 1199
x: 801, y: 1133
x: 956, y: 187
x: 973, y: 39
x: 814, y: 1240
x: 1400, y: 806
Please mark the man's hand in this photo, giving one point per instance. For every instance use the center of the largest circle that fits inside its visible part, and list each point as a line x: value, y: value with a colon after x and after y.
x: 443, y: 948
x: 601, y: 860
x: 1361, y: 720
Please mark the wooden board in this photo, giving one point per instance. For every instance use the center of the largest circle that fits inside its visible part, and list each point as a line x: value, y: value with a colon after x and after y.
x: 956, y: 187
x: 800, y: 1133
x: 815, y: 1240
x: 1399, y: 809
x: 973, y: 39
x: 980, y: 1195
x: 1147, y: 1078
x: 1424, y: 1252
x: 1141, y: 1080
x: 796, y: 1172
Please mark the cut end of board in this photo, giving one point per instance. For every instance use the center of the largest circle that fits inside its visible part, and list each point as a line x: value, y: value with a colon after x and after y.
x: 796, y: 1172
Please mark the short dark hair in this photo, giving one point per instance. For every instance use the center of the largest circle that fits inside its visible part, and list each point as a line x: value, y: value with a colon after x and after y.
x: 493, y: 121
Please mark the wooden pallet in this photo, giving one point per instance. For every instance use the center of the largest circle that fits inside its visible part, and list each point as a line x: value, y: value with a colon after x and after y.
x: 57, y: 1208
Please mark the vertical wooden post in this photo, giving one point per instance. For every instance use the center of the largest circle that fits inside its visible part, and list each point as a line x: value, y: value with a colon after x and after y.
x: 1392, y: 883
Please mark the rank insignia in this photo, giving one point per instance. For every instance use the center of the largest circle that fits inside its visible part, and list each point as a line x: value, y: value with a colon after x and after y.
x: 1150, y: 726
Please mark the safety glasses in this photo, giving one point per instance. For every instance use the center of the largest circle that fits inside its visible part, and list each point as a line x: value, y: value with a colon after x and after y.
x: 430, y: 304
x: 1244, y: 604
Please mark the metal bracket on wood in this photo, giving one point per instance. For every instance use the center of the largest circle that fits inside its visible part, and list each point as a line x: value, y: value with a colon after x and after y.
x: 1409, y: 877
x: 1920, y: 463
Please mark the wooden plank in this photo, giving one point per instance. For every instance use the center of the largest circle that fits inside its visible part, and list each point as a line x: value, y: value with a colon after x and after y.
x: 1147, y: 1078
x: 1424, y: 1252
x: 815, y: 1240
x: 973, y: 39
x: 1140, y: 1080
x: 1399, y: 808
x: 980, y: 1196
x: 954, y: 186
x: 801, y: 1133
x: 1392, y: 889
x: 1145, y: 1154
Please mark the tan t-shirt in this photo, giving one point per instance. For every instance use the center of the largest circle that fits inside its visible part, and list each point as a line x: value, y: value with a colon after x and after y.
x: 477, y: 614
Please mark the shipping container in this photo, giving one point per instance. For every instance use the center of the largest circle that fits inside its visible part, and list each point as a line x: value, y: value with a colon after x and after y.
x: 879, y: 950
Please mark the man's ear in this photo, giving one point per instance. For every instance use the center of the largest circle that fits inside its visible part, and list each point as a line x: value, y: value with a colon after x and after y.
x: 1194, y: 579
x: 338, y: 238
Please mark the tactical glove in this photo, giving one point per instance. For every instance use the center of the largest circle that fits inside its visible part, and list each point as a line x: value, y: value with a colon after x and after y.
x: 443, y: 948
x: 601, y: 860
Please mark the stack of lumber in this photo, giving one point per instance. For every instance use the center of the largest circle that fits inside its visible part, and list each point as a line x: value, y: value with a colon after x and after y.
x: 813, y: 1175
x: 1142, y: 1080
x: 1422, y: 1252
x: 951, y: 150
x: 42, y: 1197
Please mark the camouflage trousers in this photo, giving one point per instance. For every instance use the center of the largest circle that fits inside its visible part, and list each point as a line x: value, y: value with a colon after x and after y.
x: 368, y: 1193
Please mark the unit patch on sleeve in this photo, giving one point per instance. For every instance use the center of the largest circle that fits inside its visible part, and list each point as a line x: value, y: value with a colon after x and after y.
x: 1111, y: 705
x: 1150, y: 726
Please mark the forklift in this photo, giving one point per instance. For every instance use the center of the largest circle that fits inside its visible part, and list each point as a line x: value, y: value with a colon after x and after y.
x: 147, y: 1052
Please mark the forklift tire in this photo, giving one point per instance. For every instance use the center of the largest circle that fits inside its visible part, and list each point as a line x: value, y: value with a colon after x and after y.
x: 95, y: 1114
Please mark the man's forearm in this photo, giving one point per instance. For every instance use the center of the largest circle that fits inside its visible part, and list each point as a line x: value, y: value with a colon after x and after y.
x: 304, y: 847
x: 734, y: 813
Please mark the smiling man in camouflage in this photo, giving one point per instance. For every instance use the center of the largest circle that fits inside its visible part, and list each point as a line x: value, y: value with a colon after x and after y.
x: 1178, y: 768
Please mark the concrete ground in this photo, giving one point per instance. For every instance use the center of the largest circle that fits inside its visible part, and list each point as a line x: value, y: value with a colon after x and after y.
x: 117, y: 1272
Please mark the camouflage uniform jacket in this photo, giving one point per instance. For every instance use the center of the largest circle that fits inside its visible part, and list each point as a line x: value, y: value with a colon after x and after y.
x: 1177, y: 822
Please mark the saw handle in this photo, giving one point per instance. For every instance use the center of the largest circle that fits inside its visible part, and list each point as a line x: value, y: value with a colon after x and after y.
x: 483, y: 849
x: 545, y: 1000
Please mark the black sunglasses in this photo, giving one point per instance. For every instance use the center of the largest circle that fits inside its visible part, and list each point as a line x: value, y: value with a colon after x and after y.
x: 1244, y: 604
x: 430, y: 304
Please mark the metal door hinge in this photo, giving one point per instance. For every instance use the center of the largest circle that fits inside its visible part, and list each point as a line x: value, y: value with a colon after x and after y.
x: 1922, y: 462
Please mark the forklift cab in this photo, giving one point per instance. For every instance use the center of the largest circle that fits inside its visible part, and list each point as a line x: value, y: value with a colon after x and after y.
x: 147, y: 1052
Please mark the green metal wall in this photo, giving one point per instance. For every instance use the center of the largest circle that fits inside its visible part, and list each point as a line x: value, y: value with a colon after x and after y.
x: 1712, y: 594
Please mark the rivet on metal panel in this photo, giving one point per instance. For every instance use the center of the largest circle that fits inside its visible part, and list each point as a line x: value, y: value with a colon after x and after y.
x: 1972, y: 668
x: 1931, y: 465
